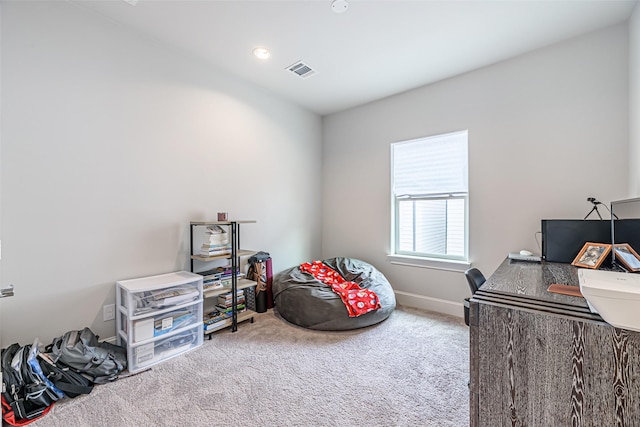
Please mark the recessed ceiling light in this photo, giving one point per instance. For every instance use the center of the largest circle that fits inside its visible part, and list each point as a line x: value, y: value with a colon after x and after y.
x: 261, y: 53
x: 339, y: 6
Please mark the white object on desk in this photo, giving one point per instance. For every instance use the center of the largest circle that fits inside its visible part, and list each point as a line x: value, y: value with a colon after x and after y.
x: 518, y: 256
x: 613, y: 295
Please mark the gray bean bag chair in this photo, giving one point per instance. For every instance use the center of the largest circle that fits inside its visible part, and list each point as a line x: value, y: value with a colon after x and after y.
x: 305, y: 301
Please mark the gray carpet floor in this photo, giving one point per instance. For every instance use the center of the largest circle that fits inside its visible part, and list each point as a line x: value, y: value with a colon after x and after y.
x: 410, y: 370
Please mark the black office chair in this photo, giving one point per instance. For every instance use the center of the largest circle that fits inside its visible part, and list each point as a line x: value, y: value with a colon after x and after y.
x: 475, y: 279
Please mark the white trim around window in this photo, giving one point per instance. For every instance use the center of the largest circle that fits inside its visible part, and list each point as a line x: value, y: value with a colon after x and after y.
x: 430, y: 202
x: 434, y: 263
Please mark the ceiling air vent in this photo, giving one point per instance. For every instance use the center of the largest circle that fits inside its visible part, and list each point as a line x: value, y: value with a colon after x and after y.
x: 302, y: 69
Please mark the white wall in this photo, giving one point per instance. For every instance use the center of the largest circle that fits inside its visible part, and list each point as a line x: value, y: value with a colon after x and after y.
x: 546, y: 130
x: 634, y: 103
x: 111, y: 144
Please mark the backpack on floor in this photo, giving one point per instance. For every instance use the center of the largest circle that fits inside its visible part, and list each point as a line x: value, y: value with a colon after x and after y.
x: 81, y: 351
x: 260, y: 272
x: 71, y: 383
x: 9, y: 416
x: 26, y: 394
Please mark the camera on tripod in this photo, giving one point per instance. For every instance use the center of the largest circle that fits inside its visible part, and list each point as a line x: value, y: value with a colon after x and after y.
x: 595, y: 208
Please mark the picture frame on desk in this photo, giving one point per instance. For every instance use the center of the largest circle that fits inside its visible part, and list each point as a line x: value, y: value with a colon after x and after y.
x: 627, y: 256
x: 592, y: 255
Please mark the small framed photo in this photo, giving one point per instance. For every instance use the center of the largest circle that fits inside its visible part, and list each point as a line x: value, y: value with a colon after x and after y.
x: 592, y: 255
x: 627, y: 257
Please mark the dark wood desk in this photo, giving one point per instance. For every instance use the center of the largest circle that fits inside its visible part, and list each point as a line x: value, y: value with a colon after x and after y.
x: 543, y: 359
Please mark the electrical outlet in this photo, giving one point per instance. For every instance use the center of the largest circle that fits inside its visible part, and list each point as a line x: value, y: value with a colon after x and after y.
x: 109, y: 312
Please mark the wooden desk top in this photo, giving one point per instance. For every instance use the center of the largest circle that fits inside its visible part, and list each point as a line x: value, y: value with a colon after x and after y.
x: 524, y: 284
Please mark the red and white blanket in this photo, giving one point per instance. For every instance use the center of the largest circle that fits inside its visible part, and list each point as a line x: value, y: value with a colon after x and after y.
x: 357, y: 300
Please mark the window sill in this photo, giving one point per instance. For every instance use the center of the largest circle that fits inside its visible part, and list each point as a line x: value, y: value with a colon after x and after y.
x: 434, y: 263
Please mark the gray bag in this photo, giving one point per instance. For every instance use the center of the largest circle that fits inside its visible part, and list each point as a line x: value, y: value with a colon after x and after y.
x: 81, y: 351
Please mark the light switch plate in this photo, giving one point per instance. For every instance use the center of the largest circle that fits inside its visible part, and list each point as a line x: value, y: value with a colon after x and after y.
x: 109, y: 312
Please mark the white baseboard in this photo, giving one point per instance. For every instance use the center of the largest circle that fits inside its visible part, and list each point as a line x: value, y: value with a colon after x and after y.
x: 431, y: 304
x: 110, y: 340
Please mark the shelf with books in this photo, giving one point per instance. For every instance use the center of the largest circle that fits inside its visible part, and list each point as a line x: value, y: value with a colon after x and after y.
x: 205, y: 258
x: 220, y: 306
x: 212, y: 324
x: 242, y: 284
x: 213, y: 243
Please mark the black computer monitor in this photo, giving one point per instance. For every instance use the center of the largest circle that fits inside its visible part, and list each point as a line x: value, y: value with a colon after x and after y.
x: 562, y: 239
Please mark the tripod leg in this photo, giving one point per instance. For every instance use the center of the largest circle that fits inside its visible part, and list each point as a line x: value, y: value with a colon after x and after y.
x: 597, y: 211
x: 591, y: 211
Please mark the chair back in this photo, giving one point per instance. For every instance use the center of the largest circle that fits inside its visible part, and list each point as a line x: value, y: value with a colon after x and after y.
x: 475, y: 279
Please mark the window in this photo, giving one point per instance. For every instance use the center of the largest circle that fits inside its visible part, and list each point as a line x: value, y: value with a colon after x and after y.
x: 430, y: 197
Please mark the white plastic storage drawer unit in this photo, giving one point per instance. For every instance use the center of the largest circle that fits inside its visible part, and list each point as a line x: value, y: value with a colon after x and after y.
x: 159, y: 317
x: 141, y: 356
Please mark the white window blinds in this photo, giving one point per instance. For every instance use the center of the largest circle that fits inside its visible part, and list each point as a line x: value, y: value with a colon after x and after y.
x: 431, y: 166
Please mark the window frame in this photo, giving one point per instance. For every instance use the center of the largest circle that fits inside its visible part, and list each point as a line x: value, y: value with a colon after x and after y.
x: 429, y: 260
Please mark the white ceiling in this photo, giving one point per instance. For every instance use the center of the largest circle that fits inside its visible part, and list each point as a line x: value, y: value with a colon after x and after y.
x: 375, y: 49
